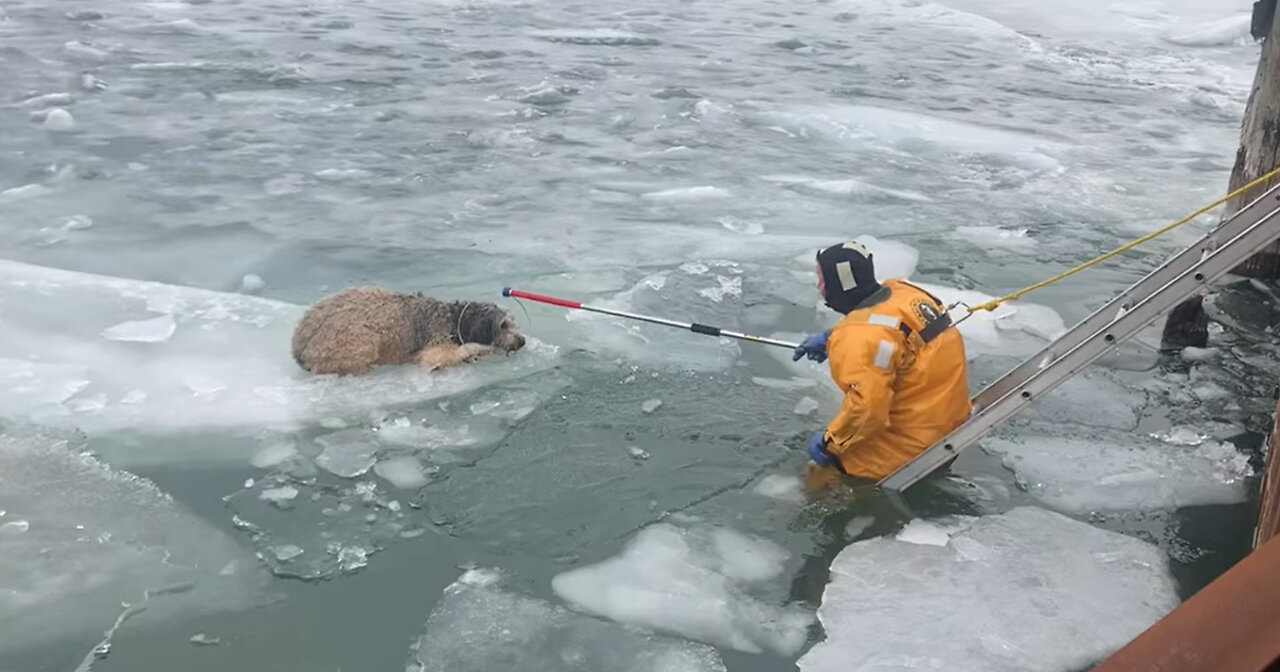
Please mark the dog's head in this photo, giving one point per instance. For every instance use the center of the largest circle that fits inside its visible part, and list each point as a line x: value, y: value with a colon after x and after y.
x: 490, y: 324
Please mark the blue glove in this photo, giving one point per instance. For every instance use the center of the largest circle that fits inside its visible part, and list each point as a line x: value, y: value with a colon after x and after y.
x: 815, y: 346
x: 818, y: 451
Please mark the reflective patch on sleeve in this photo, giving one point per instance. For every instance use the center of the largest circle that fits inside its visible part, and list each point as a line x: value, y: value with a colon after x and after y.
x: 884, y: 354
x: 883, y: 320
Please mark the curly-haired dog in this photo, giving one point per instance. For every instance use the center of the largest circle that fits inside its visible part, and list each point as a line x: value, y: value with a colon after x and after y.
x: 356, y: 329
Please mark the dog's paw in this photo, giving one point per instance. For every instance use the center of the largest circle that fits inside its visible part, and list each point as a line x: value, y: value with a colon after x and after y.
x: 474, y: 352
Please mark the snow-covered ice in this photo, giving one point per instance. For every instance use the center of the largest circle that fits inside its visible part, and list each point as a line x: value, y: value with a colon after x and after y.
x: 482, y: 624
x: 691, y: 582
x: 202, y: 359
x: 1024, y: 590
x: 1118, y: 471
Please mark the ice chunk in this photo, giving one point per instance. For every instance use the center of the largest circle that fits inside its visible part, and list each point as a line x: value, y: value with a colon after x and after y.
x: 783, y: 384
x: 777, y: 486
x: 689, y: 194
x: 60, y: 120
x: 1114, y: 471
x: 923, y: 532
x: 273, y: 455
x: 480, y: 625
x: 201, y: 639
x: 99, y: 539
x: 997, y: 237
x: 402, y: 472
x: 686, y: 582
x: 806, y: 406
x: 857, y: 525
x: 1069, y: 594
x: 251, y: 284
x: 855, y: 190
x: 651, y: 405
x: 1014, y: 328
x: 154, y: 330
x: 347, y: 453
x: 638, y: 452
x: 222, y: 366
x: 281, y: 496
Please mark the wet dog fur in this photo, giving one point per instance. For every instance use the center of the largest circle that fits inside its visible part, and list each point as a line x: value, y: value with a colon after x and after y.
x: 350, y: 332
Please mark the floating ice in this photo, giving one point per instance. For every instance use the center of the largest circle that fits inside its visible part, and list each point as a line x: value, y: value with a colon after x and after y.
x: 919, y: 133
x: 98, y: 539
x: 923, y: 532
x: 59, y: 119
x: 851, y: 189
x: 480, y: 626
x: 154, y: 330
x: 402, y: 472
x: 650, y: 405
x: 777, y: 486
x: 689, y: 194
x: 996, y: 237
x: 638, y: 452
x: 226, y: 364
x: 273, y: 455
x: 1116, y: 471
x: 1068, y: 595
x: 49, y: 99
x: 784, y: 384
x: 279, y: 496
x: 685, y: 582
x: 347, y: 453
x: 251, y: 284
x: 857, y: 525
x: 806, y: 406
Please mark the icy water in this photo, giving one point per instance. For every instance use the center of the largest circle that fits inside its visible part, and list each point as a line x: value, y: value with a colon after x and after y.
x: 179, y: 179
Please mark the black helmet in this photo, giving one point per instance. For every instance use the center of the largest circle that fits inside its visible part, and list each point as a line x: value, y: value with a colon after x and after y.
x: 848, y: 275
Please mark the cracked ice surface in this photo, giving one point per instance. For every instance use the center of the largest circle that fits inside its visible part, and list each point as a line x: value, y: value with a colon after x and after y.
x: 80, y: 538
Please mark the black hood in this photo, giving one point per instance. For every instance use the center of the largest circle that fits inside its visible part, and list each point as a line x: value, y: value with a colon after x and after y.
x: 848, y: 275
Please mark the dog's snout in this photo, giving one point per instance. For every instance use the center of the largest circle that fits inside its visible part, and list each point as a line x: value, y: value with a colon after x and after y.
x: 519, y: 342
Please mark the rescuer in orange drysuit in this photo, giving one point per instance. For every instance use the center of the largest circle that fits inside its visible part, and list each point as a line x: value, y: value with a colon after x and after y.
x: 898, y: 360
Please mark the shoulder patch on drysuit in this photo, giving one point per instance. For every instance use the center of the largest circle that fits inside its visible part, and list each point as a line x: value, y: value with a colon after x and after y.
x: 925, y: 310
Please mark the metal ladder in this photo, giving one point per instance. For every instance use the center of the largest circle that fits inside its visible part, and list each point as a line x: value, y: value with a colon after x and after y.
x: 1213, y: 256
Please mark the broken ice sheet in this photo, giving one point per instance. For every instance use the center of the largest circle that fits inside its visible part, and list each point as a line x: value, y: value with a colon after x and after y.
x: 72, y: 554
x: 327, y: 530
x: 154, y: 330
x: 481, y: 625
x: 1109, y: 471
x: 347, y: 453
x: 404, y: 472
x: 691, y: 582
x: 1067, y: 594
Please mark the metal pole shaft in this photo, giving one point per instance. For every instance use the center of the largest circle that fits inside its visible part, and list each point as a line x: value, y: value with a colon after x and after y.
x: 696, y: 328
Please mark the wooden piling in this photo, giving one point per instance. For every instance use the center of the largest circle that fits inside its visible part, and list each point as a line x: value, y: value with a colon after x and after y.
x: 1259, y: 153
x: 1269, y: 499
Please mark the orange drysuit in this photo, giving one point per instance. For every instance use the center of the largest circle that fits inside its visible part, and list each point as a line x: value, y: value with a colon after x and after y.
x: 901, y: 393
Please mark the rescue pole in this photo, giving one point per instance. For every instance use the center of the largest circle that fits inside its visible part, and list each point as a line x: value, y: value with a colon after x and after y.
x: 696, y: 328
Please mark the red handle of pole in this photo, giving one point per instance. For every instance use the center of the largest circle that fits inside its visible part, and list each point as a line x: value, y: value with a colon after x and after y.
x: 543, y: 298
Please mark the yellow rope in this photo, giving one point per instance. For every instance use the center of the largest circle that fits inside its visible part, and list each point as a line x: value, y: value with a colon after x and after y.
x: 992, y: 304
